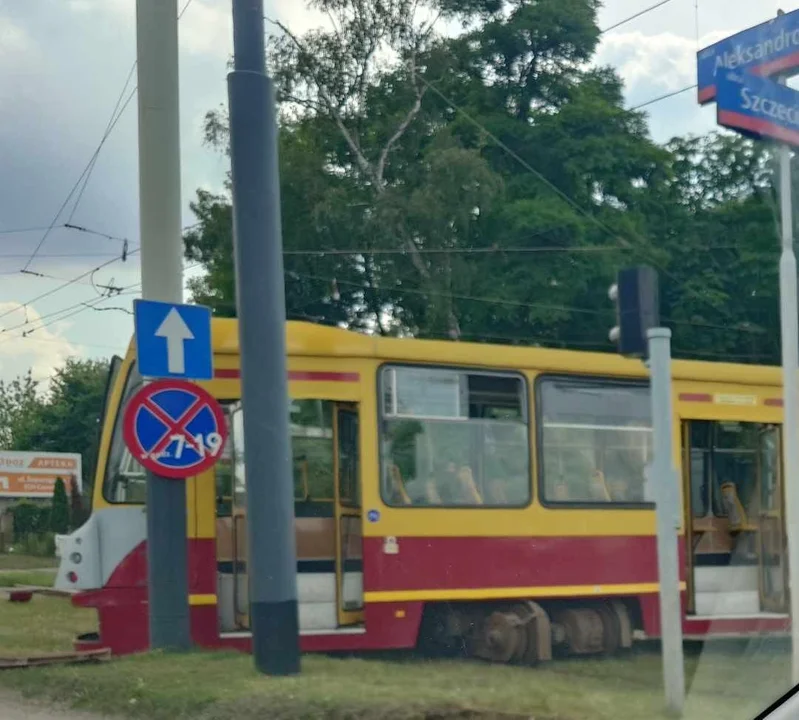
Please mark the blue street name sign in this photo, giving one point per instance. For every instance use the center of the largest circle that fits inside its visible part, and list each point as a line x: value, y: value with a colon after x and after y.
x: 767, y: 49
x: 758, y: 108
x: 173, y: 341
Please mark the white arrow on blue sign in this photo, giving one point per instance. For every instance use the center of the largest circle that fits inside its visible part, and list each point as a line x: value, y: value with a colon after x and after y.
x: 767, y: 49
x: 173, y: 341
x: 758, y: 108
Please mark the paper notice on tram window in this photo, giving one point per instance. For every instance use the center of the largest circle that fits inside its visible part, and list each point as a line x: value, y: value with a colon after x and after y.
x: 34, y: 474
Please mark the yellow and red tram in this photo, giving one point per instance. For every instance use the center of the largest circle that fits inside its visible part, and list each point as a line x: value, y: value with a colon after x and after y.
x: 462, y: 495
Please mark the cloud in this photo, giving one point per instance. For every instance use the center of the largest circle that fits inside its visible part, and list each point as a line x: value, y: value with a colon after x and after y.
x: 126, y: 7
x: 43, y: 351
x: 207, y: 29
x: 664, y: 61
x: 296, y: 15
x: 14, y: 41
x: 656, y: 64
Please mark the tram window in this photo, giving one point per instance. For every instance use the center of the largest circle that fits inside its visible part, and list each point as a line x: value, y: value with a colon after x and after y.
x: 454, y: 439
x: 224, y: 472
x: 311, y: 424
x: 312, y: 449
x: 595, y: 440
x: 735, y: 448
x: 124, y: 477
x: 237, y: 451
x: 701, y: 466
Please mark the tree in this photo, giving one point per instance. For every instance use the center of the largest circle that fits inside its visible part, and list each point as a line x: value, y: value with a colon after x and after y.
x: 77, y: 515
x: 59, y: 513
x: 20, y: 410
x: 64, y: 419
x: 375, y: 156
x: 721, y: 293
x: 487, y: 185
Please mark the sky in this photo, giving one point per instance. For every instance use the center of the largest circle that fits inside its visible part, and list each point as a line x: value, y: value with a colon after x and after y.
x: 63, y: 66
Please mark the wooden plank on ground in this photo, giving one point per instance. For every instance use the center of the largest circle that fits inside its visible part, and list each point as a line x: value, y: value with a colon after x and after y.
x: 64, y: 658
x: 37, y: 590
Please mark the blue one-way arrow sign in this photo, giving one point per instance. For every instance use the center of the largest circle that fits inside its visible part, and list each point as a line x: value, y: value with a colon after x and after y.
x: 173, y: 341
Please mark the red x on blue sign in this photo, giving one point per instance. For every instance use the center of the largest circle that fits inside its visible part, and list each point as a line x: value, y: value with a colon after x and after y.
x: 174, y: 428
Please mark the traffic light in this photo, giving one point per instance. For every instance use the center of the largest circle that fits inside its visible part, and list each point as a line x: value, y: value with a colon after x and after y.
x: 637, y: 309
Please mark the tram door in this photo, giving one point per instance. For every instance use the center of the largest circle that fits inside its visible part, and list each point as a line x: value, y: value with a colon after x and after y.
x: 688, y: 470
x: 349, y: 555
x: 734, y: 518
x: 771, y: 521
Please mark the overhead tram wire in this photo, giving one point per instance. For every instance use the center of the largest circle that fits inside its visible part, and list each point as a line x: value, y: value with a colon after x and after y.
x: 66, y: 226
x: 624, y: 242
x: 185, y: 7
x: 72, y: 281
x: 51, y: 317
x: 114, y: 119
x: 86, y: 171
x: 60, y: 256
x: 81, y: 307
x: 521, y: 304
x: 507, y: 149
x: 15, y: 231
x: 499, y: 250
x: 106, y: 133
x: 635, y: 17
x: 77, y: 307
x: 665, y: 96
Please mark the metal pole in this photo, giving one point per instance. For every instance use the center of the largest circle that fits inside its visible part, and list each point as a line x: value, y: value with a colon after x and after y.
x: 272, y: 565
x: 790, y: 368
x: 663, y: 483
x: 162, y: 279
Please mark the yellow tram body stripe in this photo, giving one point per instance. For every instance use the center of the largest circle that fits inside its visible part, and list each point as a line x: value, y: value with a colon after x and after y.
x: 514, y: 592
x: 202, y: 599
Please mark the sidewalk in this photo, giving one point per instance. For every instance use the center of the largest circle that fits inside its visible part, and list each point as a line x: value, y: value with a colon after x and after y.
x: 15, y: 708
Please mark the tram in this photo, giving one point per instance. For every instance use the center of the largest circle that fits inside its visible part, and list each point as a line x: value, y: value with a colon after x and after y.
x: 456, y: 495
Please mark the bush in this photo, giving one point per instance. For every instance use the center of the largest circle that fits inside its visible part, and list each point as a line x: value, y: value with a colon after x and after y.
x: 29, y: 519
x: 59, y: 517
x: 38, y: 545
x: 76, y: 514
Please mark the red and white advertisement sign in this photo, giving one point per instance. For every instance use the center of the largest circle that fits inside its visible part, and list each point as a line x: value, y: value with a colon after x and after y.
x: 34, y: 474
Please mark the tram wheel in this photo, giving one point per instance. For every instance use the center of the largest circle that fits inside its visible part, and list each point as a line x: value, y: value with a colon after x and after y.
x: 499, y: 637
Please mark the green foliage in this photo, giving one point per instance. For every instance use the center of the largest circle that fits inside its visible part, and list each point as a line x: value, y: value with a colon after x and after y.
x: 77, y: 514
x: 64, y: 419
x: 29, y: 519
x: 59, y: 511
x: 488, y: 185
x: 40, y: 545
x: 20, y: 408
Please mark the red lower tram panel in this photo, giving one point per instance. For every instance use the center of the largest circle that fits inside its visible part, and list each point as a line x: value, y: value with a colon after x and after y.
x: 434, y: 564
x: 123, y: 626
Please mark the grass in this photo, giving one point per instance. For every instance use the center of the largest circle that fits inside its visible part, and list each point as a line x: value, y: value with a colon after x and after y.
x: 17, y: 561
x: 45, y: 624
x: 42, y: 578
x: 725, y: 682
